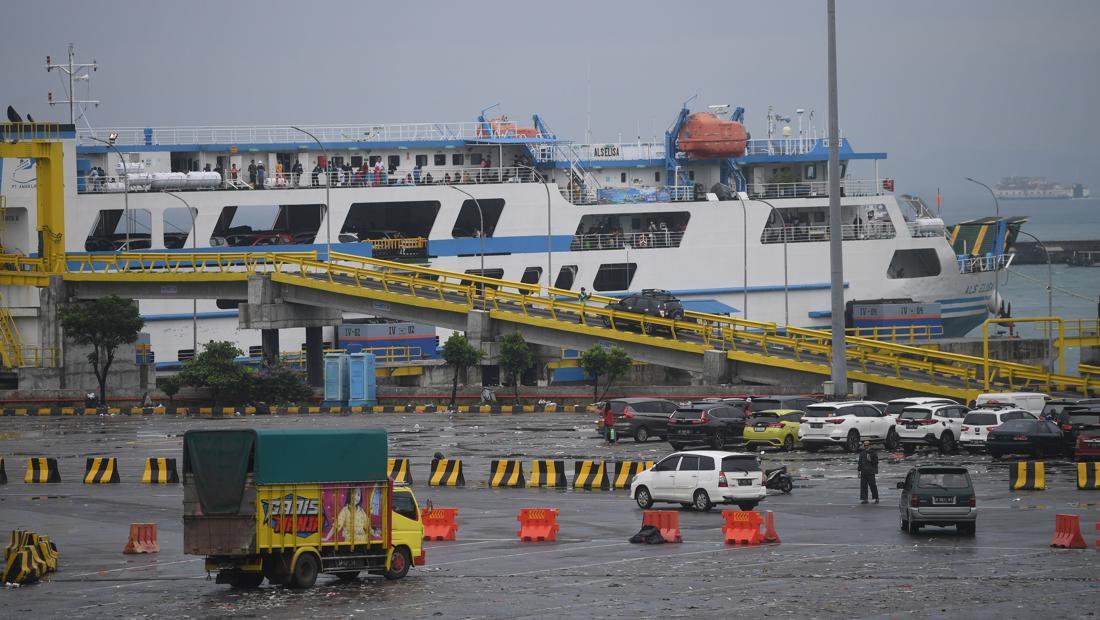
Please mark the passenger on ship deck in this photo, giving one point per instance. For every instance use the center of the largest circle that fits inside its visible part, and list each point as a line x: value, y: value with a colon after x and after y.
x: 447, y: 178
x: 315, y: 180
x: 233, y: 172
x: 466, y: 177
x: 206, y: 168
x: 296, y: 173
x: 260, y: 174
x: 279, y: 171
x: 416, y: 175
x: 428, y: 179
x: 252, y: 173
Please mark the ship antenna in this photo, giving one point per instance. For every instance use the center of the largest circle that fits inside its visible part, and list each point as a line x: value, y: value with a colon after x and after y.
x: 75, y: 72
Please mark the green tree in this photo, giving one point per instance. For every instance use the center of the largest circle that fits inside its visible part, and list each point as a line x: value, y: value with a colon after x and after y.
x: 216, y: 369
x: 611, y: 363
x: 103, y: 324
x: 170, y: 386
x: 515, y: 358
x: 277, y: 384
x: 459, y: 354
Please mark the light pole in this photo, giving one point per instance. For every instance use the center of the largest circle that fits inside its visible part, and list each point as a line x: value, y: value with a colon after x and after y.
x: 328, y: 202
x: 549, y: 243
x: 786, y: 286
x: 110, y: 142
x: 194, y: 301
x: 839, y: 370
x: 1050, y: 298
x: 481, y: 237
x: 745, y: 258
x: 996, y: 259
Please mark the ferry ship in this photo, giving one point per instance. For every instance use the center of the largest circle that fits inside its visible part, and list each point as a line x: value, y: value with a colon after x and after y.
x: 1034, y: 188
x: 729, y: 223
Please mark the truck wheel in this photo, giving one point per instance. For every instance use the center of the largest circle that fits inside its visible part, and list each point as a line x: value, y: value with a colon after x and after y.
x: 399, y: 564
x: 305, y: 571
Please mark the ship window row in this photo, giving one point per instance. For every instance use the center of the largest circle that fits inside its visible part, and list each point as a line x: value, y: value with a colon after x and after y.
x: 811, y: 224
x: 618, y: 231
x: 610, y: 277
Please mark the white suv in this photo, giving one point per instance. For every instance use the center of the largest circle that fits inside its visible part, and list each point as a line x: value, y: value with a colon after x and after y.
x: 700, y: 479
x: 846, y: 424
x: 895, y: 407
x: 937, y: 425
x: 977, y: 424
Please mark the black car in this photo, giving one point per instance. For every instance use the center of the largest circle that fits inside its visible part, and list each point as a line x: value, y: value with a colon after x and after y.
x: 1075, y: 419
x: 640, y: 418
x: 1031, y: 437
x: 713, y: 424
x: 650, y: 302
x: 770, y: 403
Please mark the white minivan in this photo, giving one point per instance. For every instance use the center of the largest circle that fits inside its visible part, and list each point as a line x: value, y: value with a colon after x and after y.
x: 1028, y: 401
x: 700, y: 479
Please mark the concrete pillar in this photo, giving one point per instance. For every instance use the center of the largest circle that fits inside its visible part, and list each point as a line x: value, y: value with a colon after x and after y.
x: 269, y: 339
x: 716, y: 368
x: 315, y: 357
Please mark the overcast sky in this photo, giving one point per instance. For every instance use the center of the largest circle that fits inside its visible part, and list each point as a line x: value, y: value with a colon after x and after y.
x: 984, y: 88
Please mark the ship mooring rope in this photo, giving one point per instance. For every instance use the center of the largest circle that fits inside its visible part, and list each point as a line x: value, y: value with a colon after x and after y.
x: 1054, y: 288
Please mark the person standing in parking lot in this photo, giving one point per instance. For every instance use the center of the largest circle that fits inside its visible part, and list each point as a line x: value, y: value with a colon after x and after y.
x: 868, y: 469
x: 608, y: 423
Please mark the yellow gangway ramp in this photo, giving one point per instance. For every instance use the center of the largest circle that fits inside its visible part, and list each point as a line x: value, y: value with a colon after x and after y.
x: 447, y: 473
x: 547, y: 473
x: 506, y: 473
x: 101, y: 470
x: 160, y: 470
x: 42, y: 470
x: 590, y: 475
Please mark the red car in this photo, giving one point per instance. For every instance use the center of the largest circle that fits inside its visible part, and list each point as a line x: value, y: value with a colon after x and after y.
x: 1088, y: 446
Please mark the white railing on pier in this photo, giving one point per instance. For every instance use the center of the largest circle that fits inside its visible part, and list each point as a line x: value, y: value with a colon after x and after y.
x: 927, y: 228
x: 803, y: 233
x: 620, y: 240
x: 281, y: 134
x: 809, y: 189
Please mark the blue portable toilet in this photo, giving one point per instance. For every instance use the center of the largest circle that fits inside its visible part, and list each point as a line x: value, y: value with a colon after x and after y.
x: 336, y: 380
x: 362, y: 381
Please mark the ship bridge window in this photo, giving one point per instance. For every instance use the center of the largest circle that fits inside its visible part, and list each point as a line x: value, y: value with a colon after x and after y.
x: 387, y: 220
x: 422, y: 160
x: 110, y: 231
x: 922, y: 263
x: 468, y: 223
x: 440, y: 159
x: 256, y: 225
x: 458, y: 159
x: 614, y: 277
x: 659, y: 229
x: 566, y: 275
x: 177, y: 226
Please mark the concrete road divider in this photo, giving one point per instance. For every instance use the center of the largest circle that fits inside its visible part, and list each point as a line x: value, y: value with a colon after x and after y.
x: 1027, y: 476
x: 742, y: 527
x: 101, y: 470
x: 1088, y: 476
x: 1067, y: 532
x: 666, y: 521
x: 547, y: 473
x: 160, y: 470
x: 42, y: 470
x: 626, y: 470
x: 506, y: 473
x: 770, y: 535
x: 440, y: 523
x: 538, y: 524
x: 590, y: 475
x: 447, y: 473
x: 399, y: 470
x: 143, y: 539
x: 28, y: 557
x: 3, y: 472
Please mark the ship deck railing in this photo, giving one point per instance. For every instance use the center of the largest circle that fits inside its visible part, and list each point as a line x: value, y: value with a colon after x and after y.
x: 812, y: 189
x: 634, y: 151
x: 282, y: 134
x: 989, y: 262
x: 627, y: 240
x: 809, y: 233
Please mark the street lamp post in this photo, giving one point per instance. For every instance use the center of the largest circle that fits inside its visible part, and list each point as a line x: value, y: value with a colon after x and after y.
x: 194, y: 301
x: 996, y: 259
x: 745, y: 258
x: 110, y: 142
x: 481, y: 236
x: 1050, y: 298
x: 328, y: 202
x: 786, y: 285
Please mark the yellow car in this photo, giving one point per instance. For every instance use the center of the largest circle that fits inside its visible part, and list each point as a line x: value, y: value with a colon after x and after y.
x: 775, y: 428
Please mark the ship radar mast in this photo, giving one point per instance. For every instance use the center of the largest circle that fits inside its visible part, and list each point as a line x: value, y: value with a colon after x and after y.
x: 76, y: 72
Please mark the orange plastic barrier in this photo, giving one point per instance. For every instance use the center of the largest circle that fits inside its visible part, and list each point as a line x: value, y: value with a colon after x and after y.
x: 143, y: 539
x: 538, y: 524
x: 1067, y: 532
x: 770, y: 535
x: 439, y: 524
x: 742, y: 527
x: 668, y: 521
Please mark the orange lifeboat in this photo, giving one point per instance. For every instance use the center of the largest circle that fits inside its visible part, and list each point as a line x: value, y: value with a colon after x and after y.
x: 705, y: 136
x: 504, y: 128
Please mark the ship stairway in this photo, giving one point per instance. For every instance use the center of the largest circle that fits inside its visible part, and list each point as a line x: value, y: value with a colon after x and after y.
x: 11, y: 351
x: 763, y: 352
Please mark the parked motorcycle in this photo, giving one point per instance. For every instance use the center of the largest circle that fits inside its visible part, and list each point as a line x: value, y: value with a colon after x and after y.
x: 778, y: 479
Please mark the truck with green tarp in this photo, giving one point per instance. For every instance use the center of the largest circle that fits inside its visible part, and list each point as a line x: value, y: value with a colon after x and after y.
x: 289, y: 504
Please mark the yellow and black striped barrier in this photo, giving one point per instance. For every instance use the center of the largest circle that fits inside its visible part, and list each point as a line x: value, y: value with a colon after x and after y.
x: 547, y: 473
x: 28, y: 557
x: 1088, y: 476
x: 590, y: 475
x: 160, y: 470
x: 506, y: 473
x: 1027, y: 476
x: 447, y: 473
x: 626, y: 470
x: 42, y: 470
x: 399, y: 470
x: 101, y: 470
x: 3, y: 472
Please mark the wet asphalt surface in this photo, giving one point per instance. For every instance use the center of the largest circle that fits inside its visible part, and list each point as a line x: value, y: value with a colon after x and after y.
x: 837, y: 558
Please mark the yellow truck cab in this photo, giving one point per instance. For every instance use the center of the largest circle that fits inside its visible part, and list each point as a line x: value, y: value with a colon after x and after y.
x: 288, y: 504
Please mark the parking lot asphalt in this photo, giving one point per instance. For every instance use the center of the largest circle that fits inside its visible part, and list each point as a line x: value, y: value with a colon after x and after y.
x: 837, y: 558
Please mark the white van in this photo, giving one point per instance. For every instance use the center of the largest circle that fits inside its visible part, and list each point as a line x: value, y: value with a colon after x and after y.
x: 1028, y: 401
